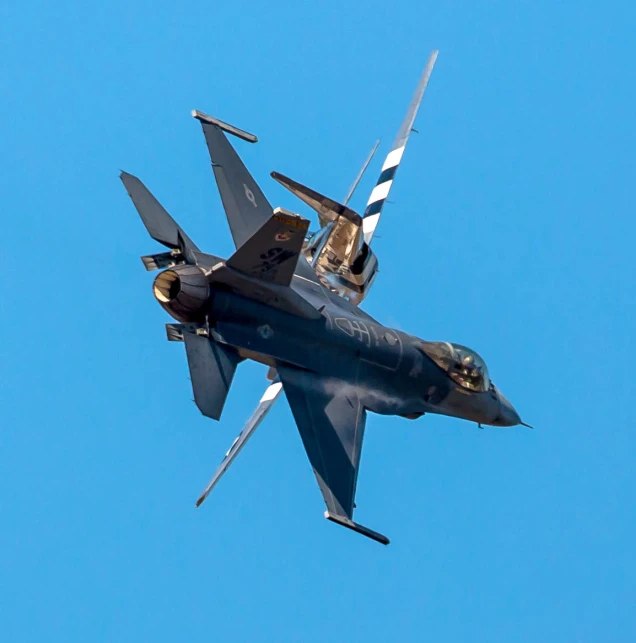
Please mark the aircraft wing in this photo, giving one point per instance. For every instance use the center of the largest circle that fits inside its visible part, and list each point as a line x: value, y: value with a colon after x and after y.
x: 331, y: 423
x: 246, y: 207
x: 381, y: 191
x: 269, y: 397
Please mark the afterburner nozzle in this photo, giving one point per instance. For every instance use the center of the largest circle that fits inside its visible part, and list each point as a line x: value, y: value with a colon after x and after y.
x: 183, y: 291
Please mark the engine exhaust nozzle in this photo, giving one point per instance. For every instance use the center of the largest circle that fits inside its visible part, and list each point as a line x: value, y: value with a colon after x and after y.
x: 183, y: 291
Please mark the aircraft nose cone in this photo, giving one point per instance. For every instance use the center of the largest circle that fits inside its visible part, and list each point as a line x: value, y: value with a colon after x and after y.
x: 508, y: 416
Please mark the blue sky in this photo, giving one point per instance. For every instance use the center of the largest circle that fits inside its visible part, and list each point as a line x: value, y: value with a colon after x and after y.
x: 512, y: 230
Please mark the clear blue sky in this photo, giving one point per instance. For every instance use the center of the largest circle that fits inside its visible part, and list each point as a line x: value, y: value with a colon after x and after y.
x: 512, y: 230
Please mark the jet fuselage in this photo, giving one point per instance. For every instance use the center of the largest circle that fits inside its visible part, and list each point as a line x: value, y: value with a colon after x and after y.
x: 390, y: 374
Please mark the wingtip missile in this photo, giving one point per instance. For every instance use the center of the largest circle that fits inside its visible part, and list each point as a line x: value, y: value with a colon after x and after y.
x: 226, y: 127
x: 344, y: 521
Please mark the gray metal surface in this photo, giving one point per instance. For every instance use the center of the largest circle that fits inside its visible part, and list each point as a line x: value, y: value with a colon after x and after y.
x: 160, y: 225
x: 212, y: 368
x: 271, y: 254
x: 246, y: 207
x: 226, y: 127
x: 331, y: 422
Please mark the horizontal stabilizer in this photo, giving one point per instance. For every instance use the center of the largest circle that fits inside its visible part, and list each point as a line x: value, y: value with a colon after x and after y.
x: 271, y: 254
x: 160, y: 225
x: 212, y: 368
x: 327, y: 209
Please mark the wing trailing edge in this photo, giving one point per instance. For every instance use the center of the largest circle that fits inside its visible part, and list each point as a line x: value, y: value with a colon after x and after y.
x: 331, y: 421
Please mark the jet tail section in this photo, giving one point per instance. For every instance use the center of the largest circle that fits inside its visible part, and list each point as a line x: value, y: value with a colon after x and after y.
x: 248, y: 210
x: 262, y: 269
x: 272, y: 252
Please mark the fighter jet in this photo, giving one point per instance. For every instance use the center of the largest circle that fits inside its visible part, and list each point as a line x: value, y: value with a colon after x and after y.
x: 340, y: 252
x: 266, y: 303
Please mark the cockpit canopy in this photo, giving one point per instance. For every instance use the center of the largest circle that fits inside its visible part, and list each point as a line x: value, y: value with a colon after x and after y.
x: 461, y: 363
